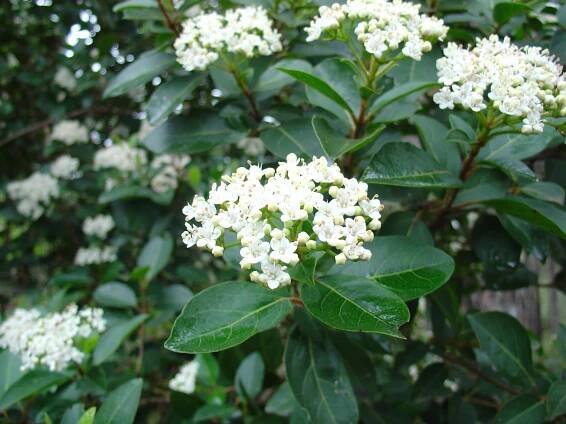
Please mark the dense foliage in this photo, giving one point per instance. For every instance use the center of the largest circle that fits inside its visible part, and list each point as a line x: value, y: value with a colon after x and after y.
x: 269, y: 211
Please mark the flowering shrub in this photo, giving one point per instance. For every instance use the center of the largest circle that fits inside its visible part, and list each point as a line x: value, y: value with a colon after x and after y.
x: 285, y: 211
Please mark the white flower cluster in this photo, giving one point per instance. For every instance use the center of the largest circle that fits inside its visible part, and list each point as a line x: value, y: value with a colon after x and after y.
x: 168, y: 168
x: 247, y: 30
x: 185, y: 380
x: 65, y: 167
x: 98, y: 226
x: 94, y: 255
x: 381, y: 25
x: 33, y: 194
x: 279, y: 214
x: 120, y: 156
x: 64, y: 78
x: 50, y: 340
x: 70, y: 132
x: 521, y: 82
x: 252, y: 146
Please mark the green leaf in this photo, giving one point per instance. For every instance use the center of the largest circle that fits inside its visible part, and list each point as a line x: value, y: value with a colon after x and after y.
x: 121, y: 405
x: 295, y: 136
x: 518, y: 171
x: 506, y: 343
x: 147, y: 66
x: 88, y: 416
x: 399, y: 92
x: 404, y: 266
x: 116, y: 295
x: 209, y: 369
x: 199, y: 132
x: 319, y: 380
x: 556, y: 399
x: 282, y: 402
x: 492, y: 245
x: 9, y: 370
x: 225, y: 315
x: 156, y: 254
x: 516, y: 146
x: 484, y: 184
x: 549, y: 192
x: 111, y: 340
x: 397, y: 111
x: 523, y: 409
x: 503, y: 12
x: 407, y: 223
x: 404, y: 165
x: 353, y: 303
x: 212, y: 413
x: 165, y: 99
x: 135, y: 192
x: 548, y: 216
x: 274, y: 79
x: 433, y: 138
x: 249, y: 376
x: 34, y: 382
x: 319, y: 86
x: 334, y: 144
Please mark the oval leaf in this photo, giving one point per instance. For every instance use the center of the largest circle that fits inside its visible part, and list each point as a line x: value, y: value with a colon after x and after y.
x: 111, y: 340
x: 116, y: 295
x: 155, y: 255
x: 225, y: 315
x: 121, y: 405
x: 249, y: 376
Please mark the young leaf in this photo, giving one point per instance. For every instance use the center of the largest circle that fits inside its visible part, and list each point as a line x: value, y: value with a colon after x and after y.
x: 353, y: 303
x: 168, y: 95
x: 116, y: 295
x: 32, y: 383
x: 121, y: 405
x: 506, y: 343
x: 147, y: 66
x: 319, y: 380
x: 196, y: 133
x: 88, y: 416
x: 249, y: 376
x: 404, y: 165
x: 111, y: 340
x: 225, y: 315
x: 155, y: 254
x: 334, y: 144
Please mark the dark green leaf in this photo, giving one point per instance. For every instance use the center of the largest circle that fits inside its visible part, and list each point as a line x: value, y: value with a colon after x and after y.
x: 516, y: 146
x: 353, y: 303
x: 484, y: 184
x: 433, y: 138
x: 295, y: 136
x: 404, y: 165
x: 492, y: 245
x: 249, y: 376
x: 211, y: 413
x: 139, y: 72
x: 155, y: 254
x: 135, y: 192
x: 168, y: 95
x: 9, y: 370
x: 503, y: 12
x: 273, y: 79
x: 406, y: 224
x: 549, y: 192
x: 518, y: 171
x: 556, y: 400
x: 319, y: 381
x: 523, y: 409
x: 399, y: 92
x: 282, y: 402
x: 196, y: 133
x: 121, y: 405
x: 506, y: 343
x: 111, y: 340
x: 34, y: 382
x: 225, y: 315
x: 117, y: 295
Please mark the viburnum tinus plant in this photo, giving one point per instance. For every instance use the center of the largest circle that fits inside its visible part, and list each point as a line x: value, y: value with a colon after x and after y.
x: 282, y: 211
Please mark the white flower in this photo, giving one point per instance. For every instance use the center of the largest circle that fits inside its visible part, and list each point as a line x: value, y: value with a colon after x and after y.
x: 98, y: 226
x: 246, y: 31
x: 168, y: 169
x: 50, y: 340
x: 522, y: 82
x: 381, y: 25
x: 65, y: 167
x: 34, y: 194
x: 70, y: 132
x: 64, y: 78
x: 272, y: 211
x: 252, y: 146
x: 93, y: 255
x: 120, y: 156
x: 185, y: 380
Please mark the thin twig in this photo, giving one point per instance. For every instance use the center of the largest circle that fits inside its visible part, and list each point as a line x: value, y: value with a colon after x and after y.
x: 171, y: 24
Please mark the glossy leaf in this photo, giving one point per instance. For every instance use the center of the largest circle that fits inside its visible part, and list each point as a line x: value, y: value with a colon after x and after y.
x: 404, y: 165
x: 196, y: 133
x: 116, y: 295
x: 503, y: 12
x: 353, y: 303
x: 319, y: 381
x: 121, y: 405
x: 297, y: 136
x: 135, y: 192
x: 111, y: 340
x: 146, y: 67
x: 504, y: 340
x: 225, y: 315
x: 516, y: 146
x: 274, y: 79
x: 543, y: 190
x: 282, y: 402
x: 433, y: 138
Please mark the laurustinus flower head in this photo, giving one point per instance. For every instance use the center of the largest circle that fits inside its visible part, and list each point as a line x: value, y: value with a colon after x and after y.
x: 276, y: 216
x: 522, y: 83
